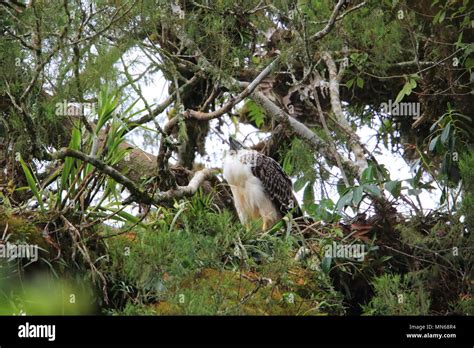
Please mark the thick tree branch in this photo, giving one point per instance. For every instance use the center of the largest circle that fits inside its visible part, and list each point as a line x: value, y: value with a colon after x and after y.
x: 318, y: 144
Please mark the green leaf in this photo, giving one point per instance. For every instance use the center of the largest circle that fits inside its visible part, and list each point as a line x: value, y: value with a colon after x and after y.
x: 349, y: 83
x: 406, y: 90
x: 368, y: 174
x: 445, y: 133
x: 326, y: 264
x: 357, y: 195
x: 394, y: 187
x: 446, y: 164
x: 433, y: 127
x: 442, y: 16
x: 442, y: 199
x: 74, y: 144
x: 400, y: 95
x: 32, y: 183
x: 372, y: 189
x: 433, y: 142
x: 327, y: 203
x: 414, y: 192
x: 344, y: 200
x: 256, y: 113
x: 469, y: 63
x: 123, y: 216
x: 360, y: 82
x: 341, y: 187
x: 308, y: 195
x: 300, y: 183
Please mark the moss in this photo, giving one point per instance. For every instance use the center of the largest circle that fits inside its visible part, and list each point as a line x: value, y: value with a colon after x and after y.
x: 22, y: 229
x: 210, y: 292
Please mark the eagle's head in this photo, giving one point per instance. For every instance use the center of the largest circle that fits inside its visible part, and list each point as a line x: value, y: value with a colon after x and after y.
x: 235, y: 145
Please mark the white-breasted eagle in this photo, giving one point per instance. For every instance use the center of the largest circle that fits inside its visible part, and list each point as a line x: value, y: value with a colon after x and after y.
x: 260, y: 187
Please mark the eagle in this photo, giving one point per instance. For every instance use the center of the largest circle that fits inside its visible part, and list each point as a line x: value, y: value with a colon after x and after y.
x: 260, y: 187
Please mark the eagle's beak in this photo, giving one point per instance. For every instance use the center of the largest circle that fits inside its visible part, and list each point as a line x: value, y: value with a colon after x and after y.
x: 235, y: 144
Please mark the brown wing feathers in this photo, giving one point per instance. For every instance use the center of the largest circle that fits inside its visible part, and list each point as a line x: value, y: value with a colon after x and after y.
x: 276, y: 183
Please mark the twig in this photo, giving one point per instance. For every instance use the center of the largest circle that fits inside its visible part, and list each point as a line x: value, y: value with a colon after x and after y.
x: 323, y: 32
x: 356, y: 7
x: 160, y: 108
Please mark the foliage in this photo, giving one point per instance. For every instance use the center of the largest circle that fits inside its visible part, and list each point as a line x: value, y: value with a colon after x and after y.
x: 192, y: 263
x: 398, y: 295
x: 190, y: 255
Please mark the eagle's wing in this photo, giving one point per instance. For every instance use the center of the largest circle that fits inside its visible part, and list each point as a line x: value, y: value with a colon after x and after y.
x: 276, y: 183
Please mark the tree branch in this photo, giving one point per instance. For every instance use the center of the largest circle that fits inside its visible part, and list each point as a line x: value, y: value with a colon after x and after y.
x: 354, y: 140
x: 318, y: 144
x: 106, y: 169
x: 160, y: 108
x: 323, y: 32
x: 332, y: 146
x: 356, y: 7
x: 185, y: 191
x: 136, y: 193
